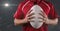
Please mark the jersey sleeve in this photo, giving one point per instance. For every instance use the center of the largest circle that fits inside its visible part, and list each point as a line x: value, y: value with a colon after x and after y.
x: 19, y: 14
x: 52, y: 14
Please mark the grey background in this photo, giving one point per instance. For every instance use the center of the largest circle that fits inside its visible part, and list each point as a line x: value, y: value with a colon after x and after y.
x: 6, y: 15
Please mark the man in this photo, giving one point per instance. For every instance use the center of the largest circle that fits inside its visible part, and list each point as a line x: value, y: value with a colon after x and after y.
x: 21, y: 15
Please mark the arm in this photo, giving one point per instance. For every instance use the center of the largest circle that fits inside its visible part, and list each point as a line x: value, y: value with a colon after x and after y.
x: 52, y: 16
x: 20, y: 21
x: 19, y: 16
x: 25, y: 20
x: 52, y: 21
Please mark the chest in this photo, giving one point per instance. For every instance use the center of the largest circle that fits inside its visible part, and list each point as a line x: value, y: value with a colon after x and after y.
x: 42, y: 6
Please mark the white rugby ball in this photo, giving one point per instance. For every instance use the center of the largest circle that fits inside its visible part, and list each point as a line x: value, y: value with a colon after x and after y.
x: 36, y: 9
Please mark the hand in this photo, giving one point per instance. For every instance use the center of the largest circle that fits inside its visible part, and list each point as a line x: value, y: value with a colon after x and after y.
x: 30, y: 16
x: 26, y: 17
x: 44, y: 17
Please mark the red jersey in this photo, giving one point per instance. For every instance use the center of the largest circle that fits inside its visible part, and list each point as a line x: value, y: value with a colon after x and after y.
x: 24, y: 7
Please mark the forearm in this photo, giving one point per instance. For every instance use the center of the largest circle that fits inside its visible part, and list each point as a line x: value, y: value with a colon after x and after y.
x: 19, y: 21
x: 52, y: 21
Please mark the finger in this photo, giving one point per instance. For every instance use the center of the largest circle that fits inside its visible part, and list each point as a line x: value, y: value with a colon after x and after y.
x: 43, y: 14
x: 41, y: 20
x: 45, y: 19
x: 31, y: 20
x: 31, y: 17
x: 30, y: 14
